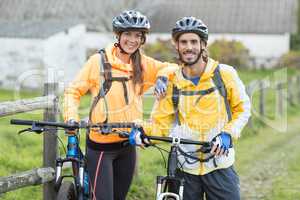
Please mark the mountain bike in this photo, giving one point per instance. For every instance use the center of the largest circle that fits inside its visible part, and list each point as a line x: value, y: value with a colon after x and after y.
x: 164, y: 184
x: 75, y: 185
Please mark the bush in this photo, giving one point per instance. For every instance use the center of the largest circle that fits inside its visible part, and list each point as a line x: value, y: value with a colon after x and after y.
x: 230, y: 52
x: 295, y: 42
x: 290, y: 59
x: 162, y: 50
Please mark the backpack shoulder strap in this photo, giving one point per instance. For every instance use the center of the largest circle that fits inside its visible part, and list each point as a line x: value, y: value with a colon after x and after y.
x: 219, y: 83
x: 107, y: 72
x: 108, y: 79
x: 106, y: 85
x: 175, y: 101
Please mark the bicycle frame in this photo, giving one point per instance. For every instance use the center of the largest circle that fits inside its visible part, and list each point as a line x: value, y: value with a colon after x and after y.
x: 79, y: 172
x: 163, y: 182
x: 74, y: 154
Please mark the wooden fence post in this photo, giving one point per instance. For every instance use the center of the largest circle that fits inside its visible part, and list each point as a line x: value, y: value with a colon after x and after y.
x: 50, y: 139
x: 262, y: 98
x: 279, y: 91
x: 292, y: 92
x: 298, y: 88
x: 249, y: 92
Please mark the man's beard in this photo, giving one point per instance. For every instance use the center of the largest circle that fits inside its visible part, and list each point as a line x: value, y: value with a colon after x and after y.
x: 192, y: 62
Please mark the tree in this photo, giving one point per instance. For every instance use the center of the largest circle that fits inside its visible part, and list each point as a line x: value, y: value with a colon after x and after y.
x: 295, y: 38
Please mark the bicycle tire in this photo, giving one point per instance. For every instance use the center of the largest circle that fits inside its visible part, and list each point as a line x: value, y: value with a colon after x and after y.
x: 66, y: 191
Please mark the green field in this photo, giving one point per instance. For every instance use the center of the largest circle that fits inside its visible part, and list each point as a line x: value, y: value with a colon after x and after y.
x: 268, y: 161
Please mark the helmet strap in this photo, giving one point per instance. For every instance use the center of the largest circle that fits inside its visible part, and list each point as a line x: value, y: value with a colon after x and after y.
x: 143, y: 39
x: 204, y: 56
x: 117, y: 44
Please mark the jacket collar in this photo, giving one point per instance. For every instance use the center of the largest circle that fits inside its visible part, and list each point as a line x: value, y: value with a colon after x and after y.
x: 115, y: 62
x: 182, y: 82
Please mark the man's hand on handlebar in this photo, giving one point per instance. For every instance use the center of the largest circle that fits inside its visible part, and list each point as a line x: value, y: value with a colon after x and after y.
x: 221, y: 144
x: 138, y: 137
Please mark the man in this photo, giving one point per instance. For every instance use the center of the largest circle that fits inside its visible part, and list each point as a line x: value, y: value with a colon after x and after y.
x: 208, y: 102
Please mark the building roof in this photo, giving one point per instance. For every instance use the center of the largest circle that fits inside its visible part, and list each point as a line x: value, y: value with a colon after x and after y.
x: 33, y: 29
x: 221, y: 16
x: 232, y: 16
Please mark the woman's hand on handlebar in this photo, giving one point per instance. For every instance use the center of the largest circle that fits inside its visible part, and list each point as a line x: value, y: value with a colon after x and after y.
x: 138, y: 137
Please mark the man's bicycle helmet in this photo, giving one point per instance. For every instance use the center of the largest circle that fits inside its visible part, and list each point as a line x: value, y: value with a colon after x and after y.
x: 130, y: 20
x: 190, y: 25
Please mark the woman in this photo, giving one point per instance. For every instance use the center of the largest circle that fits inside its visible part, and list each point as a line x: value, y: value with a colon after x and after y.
x: 110, y: 160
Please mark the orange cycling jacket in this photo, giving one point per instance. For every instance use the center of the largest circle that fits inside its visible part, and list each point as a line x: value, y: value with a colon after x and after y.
x: 88, y: 79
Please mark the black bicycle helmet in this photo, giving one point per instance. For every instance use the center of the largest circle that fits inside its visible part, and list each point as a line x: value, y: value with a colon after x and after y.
x: 190, y: 25
x: 130, y: 19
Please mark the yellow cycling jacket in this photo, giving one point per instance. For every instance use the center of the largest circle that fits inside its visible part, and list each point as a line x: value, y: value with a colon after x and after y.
x: 204, y: 116
x: 88, y: 79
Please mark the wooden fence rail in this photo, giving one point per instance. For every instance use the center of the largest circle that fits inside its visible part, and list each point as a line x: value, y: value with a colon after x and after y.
x: 26, y: 105
x: 285, y: 93
x: 27, y: 178
x: 45, y: 176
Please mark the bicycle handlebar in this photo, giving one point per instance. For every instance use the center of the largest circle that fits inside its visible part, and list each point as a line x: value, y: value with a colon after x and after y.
x: 178, y: 140
x: 75, y: 126
x: 107, y: 125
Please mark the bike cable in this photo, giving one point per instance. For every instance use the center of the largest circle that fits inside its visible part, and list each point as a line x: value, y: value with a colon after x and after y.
x: 161, y: 152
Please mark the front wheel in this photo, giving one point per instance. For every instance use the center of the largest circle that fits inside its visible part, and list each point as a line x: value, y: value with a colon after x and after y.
x: 66, y: 191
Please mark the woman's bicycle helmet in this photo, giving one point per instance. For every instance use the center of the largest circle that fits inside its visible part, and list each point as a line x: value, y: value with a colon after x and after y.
x: 130, y: 20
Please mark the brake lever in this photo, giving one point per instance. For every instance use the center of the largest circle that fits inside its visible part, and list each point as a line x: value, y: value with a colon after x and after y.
x: 37, y: 129
x: 123, y: 134
x: 24, y: 130
x: 34, y: 128
x: 205, y: 149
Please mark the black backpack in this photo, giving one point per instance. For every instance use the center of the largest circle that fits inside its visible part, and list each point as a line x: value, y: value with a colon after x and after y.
x: 108, y: 79
x: 219, y: 85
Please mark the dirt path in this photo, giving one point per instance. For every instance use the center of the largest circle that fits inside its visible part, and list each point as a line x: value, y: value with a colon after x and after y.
x: 257, y: 183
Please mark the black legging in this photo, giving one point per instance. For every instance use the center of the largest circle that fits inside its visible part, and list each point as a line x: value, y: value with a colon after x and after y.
x: 111, y: 172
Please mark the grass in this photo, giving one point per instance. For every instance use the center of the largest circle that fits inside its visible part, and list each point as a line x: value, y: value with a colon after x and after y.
x: 265, y: 157
x: 20, y: 153
x: 284, y: 189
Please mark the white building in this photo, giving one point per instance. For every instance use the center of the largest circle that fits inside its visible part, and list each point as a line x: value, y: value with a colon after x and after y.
x: 32, y: 53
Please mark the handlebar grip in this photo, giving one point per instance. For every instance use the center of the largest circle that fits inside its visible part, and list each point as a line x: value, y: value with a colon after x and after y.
x: 21, y: 122
x: 41, y: 123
